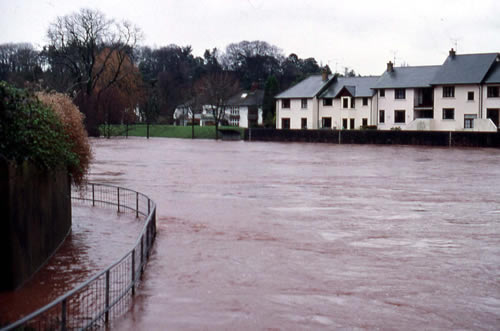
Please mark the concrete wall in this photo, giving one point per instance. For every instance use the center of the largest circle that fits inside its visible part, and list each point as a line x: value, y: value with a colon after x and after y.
x: 35, y: 209
x: 383, y: 137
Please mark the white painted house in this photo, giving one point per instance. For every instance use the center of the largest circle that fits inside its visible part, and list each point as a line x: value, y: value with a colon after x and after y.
x: 461, y: 94
x: 245, y: 109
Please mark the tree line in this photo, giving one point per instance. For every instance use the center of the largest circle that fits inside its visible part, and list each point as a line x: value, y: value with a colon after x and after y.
x: 100, y: 63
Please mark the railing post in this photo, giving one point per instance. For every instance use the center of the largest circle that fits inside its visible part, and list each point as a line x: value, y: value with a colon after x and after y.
x: 93, y: 196
x: 118, y: 189
x: 137, y: 204
x: 63, y: 315
x: 133, y: 271
x: 106, y: 315
x: 142, y: 252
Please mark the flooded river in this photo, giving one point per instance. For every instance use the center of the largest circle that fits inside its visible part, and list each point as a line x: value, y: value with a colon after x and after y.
x: 92, y: 245
x: 313, y: 236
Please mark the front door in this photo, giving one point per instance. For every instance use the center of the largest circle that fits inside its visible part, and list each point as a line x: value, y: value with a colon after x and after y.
x: 493, y: 115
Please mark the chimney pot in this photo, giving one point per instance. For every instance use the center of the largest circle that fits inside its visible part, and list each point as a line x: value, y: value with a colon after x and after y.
x: 453, y: 52
x: 390, y: 67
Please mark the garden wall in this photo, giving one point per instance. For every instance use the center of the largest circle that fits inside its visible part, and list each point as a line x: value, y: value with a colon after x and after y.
x: 428, y: 138
x: 35, y: 217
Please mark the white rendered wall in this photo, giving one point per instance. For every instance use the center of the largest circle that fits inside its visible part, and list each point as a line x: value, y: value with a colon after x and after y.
x: 338, y: 114
x: 460, y: 103
x: 295, y: 113
x: 389, y: 104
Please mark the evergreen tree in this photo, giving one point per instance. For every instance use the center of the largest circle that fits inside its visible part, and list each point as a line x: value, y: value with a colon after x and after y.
x: 269, y: 105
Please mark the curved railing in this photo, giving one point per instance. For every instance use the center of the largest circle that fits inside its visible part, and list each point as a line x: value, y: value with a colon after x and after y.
x: 94, y: 303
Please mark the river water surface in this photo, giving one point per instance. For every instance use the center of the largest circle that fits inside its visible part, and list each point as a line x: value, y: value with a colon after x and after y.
x: 313, y: 236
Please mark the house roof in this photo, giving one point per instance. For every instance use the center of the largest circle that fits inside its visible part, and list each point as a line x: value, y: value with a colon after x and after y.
x: 247, y: 98
x: 357, y: 86
x: 400, y: 77
x: 494, y: 75
x: 307, y: 88
x: 464, y: 69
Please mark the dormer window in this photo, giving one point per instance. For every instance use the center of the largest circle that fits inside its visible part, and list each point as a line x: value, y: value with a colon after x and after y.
x: 345, y: 102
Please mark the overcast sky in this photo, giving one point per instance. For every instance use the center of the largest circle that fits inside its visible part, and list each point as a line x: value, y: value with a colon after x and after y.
x: 363, y: 35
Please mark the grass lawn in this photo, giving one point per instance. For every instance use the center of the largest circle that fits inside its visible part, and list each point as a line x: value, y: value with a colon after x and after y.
x: 169, y: 131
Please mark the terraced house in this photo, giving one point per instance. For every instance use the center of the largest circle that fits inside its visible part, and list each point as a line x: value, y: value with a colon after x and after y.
x: 461, y: 94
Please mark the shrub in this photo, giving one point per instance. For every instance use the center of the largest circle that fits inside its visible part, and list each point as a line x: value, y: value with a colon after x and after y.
x: 72, y: 121
x: 31, y: 131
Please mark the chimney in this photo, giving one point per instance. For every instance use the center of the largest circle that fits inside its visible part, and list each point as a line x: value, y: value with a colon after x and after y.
x: 453, y: 52
x: 324, y: 75
x: 390, y: 67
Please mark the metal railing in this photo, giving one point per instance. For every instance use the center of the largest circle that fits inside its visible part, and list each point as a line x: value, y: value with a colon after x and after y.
x: 107, y: 295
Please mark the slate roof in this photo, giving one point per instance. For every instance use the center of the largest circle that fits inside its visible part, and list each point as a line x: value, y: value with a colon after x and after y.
x: 404, y: 77
x: 357, y: 86
x: 307, y: 88
x: 464, y: 69
x: 247, y: 98
x: 494, y: 76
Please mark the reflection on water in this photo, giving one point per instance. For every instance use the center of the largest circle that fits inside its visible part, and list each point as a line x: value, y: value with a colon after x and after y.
x: 92, y: 245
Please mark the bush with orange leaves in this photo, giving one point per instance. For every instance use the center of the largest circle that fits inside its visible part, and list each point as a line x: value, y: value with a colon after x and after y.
x: 72, y: 121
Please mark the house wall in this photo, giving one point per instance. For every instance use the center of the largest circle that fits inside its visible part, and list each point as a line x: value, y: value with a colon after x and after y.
x: 489, y: 103
x: 460, y: 103
x: 337, y: 113
x: 295, y: 113
x: 389, y: 104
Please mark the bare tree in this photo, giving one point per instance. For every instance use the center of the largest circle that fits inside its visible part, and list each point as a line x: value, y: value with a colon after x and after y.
x: 77, y: 40
x: 214, y: 90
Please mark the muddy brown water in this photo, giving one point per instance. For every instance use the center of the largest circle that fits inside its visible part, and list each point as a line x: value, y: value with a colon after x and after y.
x: 92, y: 245
x: 313, y: 236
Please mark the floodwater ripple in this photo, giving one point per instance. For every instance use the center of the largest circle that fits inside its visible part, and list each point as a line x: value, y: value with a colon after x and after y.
x: 313, y: 236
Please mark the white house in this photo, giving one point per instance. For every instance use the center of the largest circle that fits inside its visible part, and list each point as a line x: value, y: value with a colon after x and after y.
x: 297, y: 107
x: 461, y: 94
x: 347, y: 103
x: 245, y: 109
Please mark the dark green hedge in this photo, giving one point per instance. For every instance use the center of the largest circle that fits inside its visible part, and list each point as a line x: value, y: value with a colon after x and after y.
x: 31, y: 131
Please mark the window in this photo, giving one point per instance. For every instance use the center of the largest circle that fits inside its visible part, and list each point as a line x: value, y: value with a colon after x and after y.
x: 344, y: 123
x: 448, y: 91
x: 470, y: 96
x: 469, y: 121
x: 328, y: 102
x: 365, y: 101
x: 285, y: 103
x: 353, y: 104
x: 303, y: 123
x: 365, y: 122
x: 381, y: 116
x: 400, y: 93
x: 399, y: 116
x: 493, y: 91
x: 285, y: 123
x: 345, y: 102
x: 448, y: 114
x: 382, y: 93
x: 352, y: 123
x: 326, y: 122
x: 303, y: 103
